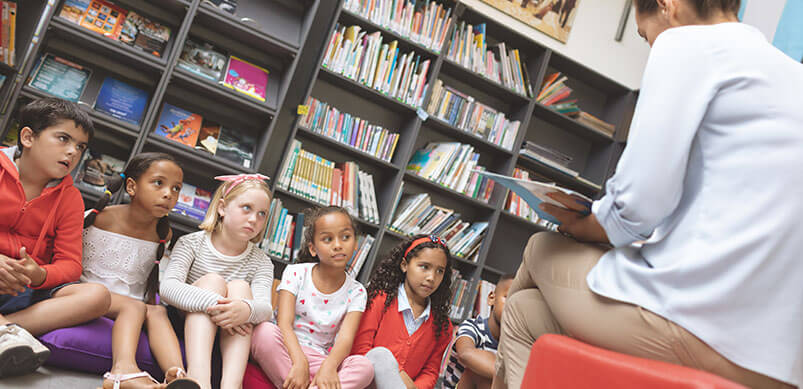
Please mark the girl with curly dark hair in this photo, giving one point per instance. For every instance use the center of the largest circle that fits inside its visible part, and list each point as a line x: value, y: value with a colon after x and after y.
x: 405, y: 328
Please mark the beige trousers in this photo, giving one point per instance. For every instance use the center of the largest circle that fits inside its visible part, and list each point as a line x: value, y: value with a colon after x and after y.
x: 550, y: 295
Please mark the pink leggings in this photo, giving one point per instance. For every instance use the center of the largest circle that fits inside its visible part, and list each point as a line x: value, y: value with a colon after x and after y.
x: 269, y: 351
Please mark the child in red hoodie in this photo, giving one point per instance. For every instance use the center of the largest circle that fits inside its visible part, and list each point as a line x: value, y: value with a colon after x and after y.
x: 41, y: 220
x: 405, y: 328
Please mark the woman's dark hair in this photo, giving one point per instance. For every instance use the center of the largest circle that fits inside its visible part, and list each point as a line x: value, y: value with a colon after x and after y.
x: 704, y: 7
x: 46, y: 112
x: 134, y: 170
x: 388, y: 275
x: 311, y: 215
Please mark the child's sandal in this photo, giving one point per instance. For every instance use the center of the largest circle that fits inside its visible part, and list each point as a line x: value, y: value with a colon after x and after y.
x: 182, y: 381
x: 119, y: 378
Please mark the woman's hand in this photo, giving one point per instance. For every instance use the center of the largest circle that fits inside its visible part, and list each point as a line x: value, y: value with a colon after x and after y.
x: 298, y: 377
x: 326, y: 378
x: 576, y: 220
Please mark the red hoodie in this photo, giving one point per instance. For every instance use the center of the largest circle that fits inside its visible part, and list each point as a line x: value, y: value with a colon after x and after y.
x: 49, y: 226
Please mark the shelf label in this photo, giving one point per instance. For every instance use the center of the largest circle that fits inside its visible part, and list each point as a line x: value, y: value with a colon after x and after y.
x: 422, y: 114
x: 303, y: 109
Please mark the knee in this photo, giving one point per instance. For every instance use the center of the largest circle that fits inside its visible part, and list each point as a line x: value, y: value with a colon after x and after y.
x: 239, y: 288
x: 213, y: 282
x: 265, y: 337
x: 379, y: 355
x: 362, y: 366
x: 155, y: 312
x: 97, y: 299
x: 134, y: 307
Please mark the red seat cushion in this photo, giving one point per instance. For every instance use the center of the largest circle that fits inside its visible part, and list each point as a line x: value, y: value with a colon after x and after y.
x: 255, y: 378
x: 560, y: 362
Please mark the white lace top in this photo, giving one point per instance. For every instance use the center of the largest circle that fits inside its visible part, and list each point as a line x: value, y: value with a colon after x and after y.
x: 119, y: 262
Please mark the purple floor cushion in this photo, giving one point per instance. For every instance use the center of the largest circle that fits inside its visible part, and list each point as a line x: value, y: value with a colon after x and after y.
x: 88, y: 348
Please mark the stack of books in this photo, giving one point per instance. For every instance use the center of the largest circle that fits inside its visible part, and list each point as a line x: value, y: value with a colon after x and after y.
x: 377, y: 64
x: 191, y: 129
x: 451, y: 164
x: 464, y: 112
x: 418, y: 215
x: 328, y: 183
x: 548, y: 156
x: 329, y: 121
x: 8, y: 31
x: 460, y: 293
x: 469, y: 48
x: 554, y: 94
x: 114, y: 22
x: 518, y: 207
x: 421, y: 22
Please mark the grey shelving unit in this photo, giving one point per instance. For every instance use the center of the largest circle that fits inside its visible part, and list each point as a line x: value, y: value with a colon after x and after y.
x: 595, y: 153
x: 289, y: 37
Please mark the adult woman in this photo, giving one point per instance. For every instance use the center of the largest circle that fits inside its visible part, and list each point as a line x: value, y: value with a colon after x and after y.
x: 707, y: 183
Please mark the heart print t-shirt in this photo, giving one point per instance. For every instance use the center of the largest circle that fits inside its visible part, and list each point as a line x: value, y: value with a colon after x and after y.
x: 318, y: 315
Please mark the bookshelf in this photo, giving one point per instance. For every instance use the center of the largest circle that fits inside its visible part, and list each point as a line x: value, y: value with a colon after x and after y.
x: 290, y: 38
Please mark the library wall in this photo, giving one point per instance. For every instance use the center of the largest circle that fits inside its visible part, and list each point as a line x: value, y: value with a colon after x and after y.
x: 591, y: 41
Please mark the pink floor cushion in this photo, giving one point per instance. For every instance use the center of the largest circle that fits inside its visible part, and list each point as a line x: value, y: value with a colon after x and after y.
x: 255, y: 378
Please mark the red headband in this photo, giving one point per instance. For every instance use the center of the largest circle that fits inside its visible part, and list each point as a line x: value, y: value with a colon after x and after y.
x: 430, y: 238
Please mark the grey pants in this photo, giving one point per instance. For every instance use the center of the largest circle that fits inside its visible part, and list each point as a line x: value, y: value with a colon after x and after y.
x: 386, y: 369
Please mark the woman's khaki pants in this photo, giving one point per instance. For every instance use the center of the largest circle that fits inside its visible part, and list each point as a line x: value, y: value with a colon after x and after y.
x: 550, y: 295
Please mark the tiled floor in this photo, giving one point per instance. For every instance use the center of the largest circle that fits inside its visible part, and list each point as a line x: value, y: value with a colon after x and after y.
x: 51, y: 378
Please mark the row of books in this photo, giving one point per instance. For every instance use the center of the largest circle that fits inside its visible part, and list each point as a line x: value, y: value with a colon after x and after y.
x: 518, y: 207
x: 452, y: 165
x: 460, y: 293
x: 464, y: 112
x: 481, y: 307
x: 8, y: 31
x: 191, y: 129
x: 418, y: 215
x: 554, y: 94
x: 469, y: 48
x: 379, y: 65
x: 549, y: 156
x: 117, y: 23
x: 328, y: 183
x: 327, y: 120
x: 210, y: 63
x: 421, y: 22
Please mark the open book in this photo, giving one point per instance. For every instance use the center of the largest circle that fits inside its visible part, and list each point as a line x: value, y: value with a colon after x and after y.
x: 534, y: 193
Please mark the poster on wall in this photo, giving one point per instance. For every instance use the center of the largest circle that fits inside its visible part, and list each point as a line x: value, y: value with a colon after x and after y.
x: 552, y: 17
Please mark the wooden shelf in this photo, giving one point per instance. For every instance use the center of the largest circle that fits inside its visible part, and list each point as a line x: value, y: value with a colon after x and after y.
x: 523, y: 222
x: 238, y: 29
x: 287, y: 193
x: 348, y: 149
x: 366, y: 92
x: 483, y: 83
x: 223, y: 93
x: 558, y: 176
x: 395, y: 234
x: 564, y: 122
x: 493, y: 270
x: 7, y: 71
x: 211, y: 162
x: 455, y: 194
x: 183, y: 223
x: 462, y: 135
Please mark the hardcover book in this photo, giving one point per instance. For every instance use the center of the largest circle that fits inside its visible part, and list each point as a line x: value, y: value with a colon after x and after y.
x: 122, y: 101
x: 202, y: 59
x: 236, y: 146
x: 179, y: 125
x: 74, y: 10
x: 246, y: 78
x: 207, y: 140
x: 60, y: 77
x: 104, y: 18
x: 145, y: 34
x: 192, y: 202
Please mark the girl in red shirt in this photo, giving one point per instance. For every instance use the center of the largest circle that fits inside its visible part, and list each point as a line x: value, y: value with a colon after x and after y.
x: 405, y: 328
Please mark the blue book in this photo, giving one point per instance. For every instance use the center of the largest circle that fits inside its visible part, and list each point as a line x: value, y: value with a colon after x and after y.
x: 122, y: 101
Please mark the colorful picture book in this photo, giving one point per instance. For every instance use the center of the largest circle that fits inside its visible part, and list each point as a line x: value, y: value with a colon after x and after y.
x: 246, y: 78
x: 179, y: 125
x: 208, y: 139
x: 236, y: 146
x: 139, y: 31
x: 60, y: 77
x: 122, y: 101
x: 192, y: 202
x: 104, y: 18
x: 202, y: 59
x: 74, y: 10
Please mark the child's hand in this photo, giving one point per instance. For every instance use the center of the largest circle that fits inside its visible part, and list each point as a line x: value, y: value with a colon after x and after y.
x: 298, y: 377
x: 13, y: 278
x: 326, y: 379
x: 32, y: 269
x: 229, y: 313
x: 408, y: 382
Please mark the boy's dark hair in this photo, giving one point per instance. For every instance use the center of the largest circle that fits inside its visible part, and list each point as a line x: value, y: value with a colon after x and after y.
x: 46, y: 112
x: 704, y: 7
x: 135, y: 169
x: 388, y: 275
x: 311, y: 215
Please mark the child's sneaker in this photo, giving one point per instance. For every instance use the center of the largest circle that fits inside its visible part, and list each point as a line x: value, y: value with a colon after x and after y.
x: 20, y: 352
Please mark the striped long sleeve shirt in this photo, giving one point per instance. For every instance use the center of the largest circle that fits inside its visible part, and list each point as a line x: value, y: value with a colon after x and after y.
x: 194, y: 256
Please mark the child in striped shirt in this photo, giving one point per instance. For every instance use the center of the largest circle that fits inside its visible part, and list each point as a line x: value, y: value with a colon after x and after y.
x: 218, y: 278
